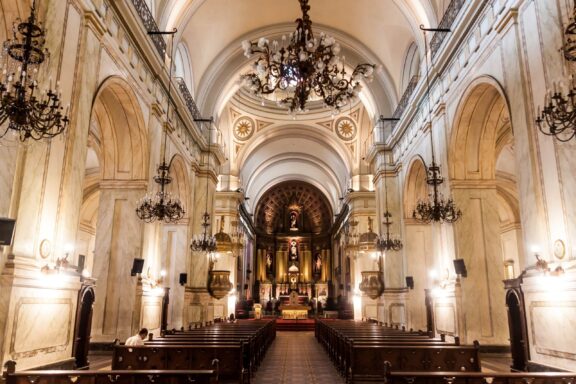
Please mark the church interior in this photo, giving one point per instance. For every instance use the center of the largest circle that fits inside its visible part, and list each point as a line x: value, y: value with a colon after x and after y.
x: 287, y: 191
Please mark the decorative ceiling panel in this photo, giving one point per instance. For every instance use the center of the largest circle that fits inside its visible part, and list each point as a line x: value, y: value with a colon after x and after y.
x: 274, y: 206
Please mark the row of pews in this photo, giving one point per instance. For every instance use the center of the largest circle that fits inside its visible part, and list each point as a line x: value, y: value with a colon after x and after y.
x: 221, y: 352
x: 365, y: 351
x: 235, y: 349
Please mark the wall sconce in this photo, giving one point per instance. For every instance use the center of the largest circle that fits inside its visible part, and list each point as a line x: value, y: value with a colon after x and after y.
x: 60, y: 264
x: 509, y: 269
x: 541, y: 264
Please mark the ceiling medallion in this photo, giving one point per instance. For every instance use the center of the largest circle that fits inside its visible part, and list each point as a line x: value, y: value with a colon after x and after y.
x: 345, y: 128
x: 301, y: 66
x: 243, y: 128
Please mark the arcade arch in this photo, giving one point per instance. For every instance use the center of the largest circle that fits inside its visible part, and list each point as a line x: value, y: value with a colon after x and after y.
x: 481, y: 163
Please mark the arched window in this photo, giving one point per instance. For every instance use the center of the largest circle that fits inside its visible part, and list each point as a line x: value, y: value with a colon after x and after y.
x: 411, y: 66
x: 152, y: 7
x: 182, y: 67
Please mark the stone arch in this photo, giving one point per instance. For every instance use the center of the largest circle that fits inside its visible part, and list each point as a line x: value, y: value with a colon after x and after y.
x: 124, y: 140
x: 482, y: 172
x: 478, y: 122
x: 415, y: 187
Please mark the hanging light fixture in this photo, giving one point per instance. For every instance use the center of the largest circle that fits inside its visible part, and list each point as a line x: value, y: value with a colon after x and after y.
x: 558, y: 117
x: 436, y: 209
x: 204, y: 242
x: 569, y: 47
x: 31, y: 113
x: 302, y: 65
x: 162, y: 206
x: 387, y: 243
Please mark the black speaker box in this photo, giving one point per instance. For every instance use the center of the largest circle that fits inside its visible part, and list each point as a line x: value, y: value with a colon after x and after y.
x: 460, y: 267
x: 6, y: 230
x: 137, y: 266
x: 81, y: 262
x: 410, y: 282
x: 183, y: 278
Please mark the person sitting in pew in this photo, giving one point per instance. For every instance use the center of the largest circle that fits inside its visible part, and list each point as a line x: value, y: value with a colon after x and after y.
x: 138, y: 339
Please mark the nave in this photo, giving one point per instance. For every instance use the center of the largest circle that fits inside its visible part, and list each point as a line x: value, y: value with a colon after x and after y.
x: 296, y: 357
x: 410, y: 169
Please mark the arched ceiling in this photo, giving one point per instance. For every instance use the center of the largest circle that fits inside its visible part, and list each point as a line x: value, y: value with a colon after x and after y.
x: 383, y: 29
x: 308, y: 150
x: 273, y: 208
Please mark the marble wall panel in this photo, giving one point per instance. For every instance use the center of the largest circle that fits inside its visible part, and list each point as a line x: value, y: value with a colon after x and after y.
x: 445, y: 318
x: 397, y: 313
x: 546, y: 318
x: 370, y: 310
x: 41, y: 325
x: 151, y: 314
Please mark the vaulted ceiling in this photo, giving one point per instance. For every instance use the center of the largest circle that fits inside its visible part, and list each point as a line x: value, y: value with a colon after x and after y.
x: 277, y: 149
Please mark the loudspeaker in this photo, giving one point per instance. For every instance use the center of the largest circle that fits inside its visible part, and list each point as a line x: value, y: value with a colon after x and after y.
x: 410, y: 282
x: 460, y: 267
x: 81, y: 262
x: 6, y: 230
x: 137, y: 266
x: 183, y: 278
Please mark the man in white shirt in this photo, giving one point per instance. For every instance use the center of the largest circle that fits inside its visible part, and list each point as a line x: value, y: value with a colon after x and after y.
x: 138, y: 339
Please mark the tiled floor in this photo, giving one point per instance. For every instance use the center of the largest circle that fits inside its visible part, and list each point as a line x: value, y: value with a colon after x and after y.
x: 296, y: 357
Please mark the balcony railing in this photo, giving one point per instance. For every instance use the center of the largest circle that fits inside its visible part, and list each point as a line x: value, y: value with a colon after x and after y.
x: 150, y: 25
x: 406, y: 96
x: 188, y: 99
x: 447, y: 20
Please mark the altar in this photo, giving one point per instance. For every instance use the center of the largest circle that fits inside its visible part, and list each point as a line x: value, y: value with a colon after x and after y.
x: 294, y: 310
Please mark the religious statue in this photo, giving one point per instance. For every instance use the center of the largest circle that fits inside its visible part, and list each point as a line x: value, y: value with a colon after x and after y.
x: 293, y: 250
x: 317, y: 263
x: 293, y: 221
x: 268, y: 263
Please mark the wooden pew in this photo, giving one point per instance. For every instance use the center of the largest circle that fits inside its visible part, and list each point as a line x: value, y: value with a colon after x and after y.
x: 238, y: 347
x: 183, y: 357
x: 359, y: 350
x: 209, y: 376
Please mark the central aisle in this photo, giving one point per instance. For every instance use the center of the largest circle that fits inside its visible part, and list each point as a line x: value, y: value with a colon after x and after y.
x: 296, y: 357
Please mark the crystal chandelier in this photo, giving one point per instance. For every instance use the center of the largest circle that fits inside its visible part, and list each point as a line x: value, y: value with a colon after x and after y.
x: 162, y: 206
x: 302, y: 65
x: 436, y: 209
x: 32, y: 113
x: 204, y: 242
x: 387, y: 243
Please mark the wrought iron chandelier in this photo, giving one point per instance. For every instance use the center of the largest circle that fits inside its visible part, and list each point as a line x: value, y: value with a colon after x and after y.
x: 558, y: 117
x: 387, y: 243
x: 162, y: 206
x: 302, y: 65
x: 205, y: 242
x: 32, y: 113
x: 569, y: 47
x: 436, y: 209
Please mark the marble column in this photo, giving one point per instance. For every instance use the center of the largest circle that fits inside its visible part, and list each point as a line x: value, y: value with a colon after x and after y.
x: 118, y: 243
x: 199, y: 304
x: 478, y: 243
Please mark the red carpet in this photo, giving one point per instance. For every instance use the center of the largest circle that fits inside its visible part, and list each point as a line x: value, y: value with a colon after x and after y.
x: 295, y: 325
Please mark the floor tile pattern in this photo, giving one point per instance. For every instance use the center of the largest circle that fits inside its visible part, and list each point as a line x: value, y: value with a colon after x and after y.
x: 296, y: 357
